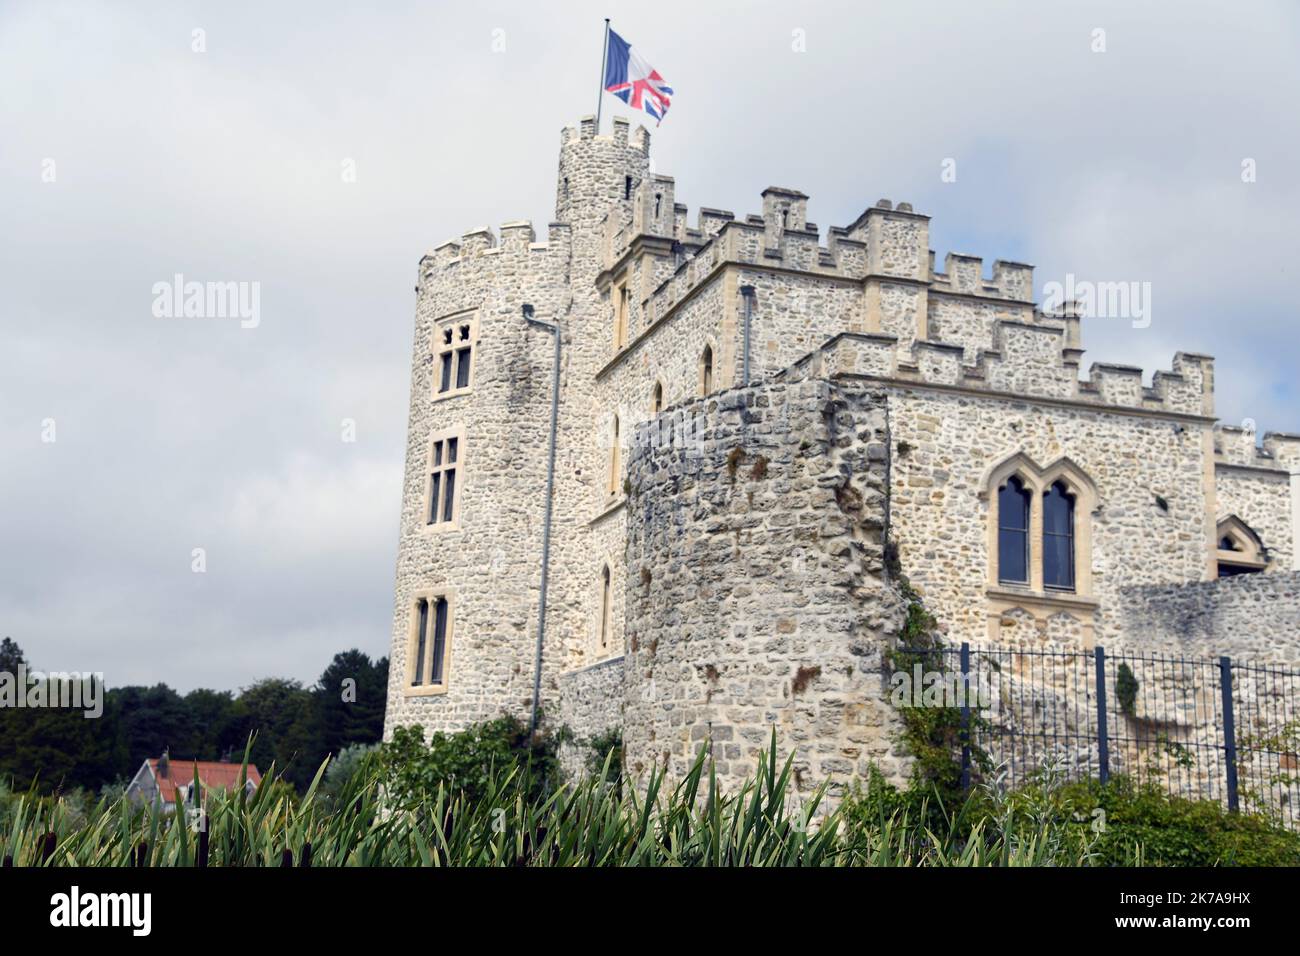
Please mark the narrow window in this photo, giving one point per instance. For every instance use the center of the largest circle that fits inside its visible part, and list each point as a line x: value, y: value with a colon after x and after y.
x: 785, y: 218
x: 421, y: 638
x: 449, y: 492
x: 627, y: 187
x: 658, y: 398
x: 658, y: 200
x: 620, y: 319
x: 613, y: 461
x: 1058, y: 538
x: 604, y: 609
x: 706, y: 371
x: 437, y: 664
x: 443, y: 463
x: 1013, y: 532
x: 430, y: 651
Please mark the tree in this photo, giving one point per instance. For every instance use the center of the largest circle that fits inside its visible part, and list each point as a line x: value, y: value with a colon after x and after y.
x: 350, y: 698
x: 280, y: 711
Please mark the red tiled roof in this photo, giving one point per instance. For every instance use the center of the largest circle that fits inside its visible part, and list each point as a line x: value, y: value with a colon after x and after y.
x: 213, y: 775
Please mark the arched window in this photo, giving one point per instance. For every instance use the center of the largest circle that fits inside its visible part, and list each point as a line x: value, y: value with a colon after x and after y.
x: 1058, y: 538
x: 1013, y: 532
x: 1040, y: 527
x: 605, y: 602
x: 1240, y: 550
x: 706, y: 371
x: 657, y: 399
x: 613, y: 460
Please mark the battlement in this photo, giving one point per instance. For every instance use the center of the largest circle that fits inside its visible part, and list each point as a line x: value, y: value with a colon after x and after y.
x: 1235, y: 445
x: 517, y: 239
x: 619, y: 136
x: 964, y: 275
x: 1029, y: 360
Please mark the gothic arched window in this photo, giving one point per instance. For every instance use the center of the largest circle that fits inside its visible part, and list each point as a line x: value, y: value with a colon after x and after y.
x: 706, y: 371
x: 1058, y: 538
x: 1013, y: 532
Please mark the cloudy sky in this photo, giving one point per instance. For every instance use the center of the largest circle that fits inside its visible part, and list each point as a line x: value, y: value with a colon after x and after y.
x: 319, y: 149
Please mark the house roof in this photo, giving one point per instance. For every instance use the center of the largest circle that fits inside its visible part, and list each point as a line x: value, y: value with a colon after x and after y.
x: 213, y: 775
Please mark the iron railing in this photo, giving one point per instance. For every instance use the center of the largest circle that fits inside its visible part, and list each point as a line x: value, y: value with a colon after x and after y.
x: 1201, y: 728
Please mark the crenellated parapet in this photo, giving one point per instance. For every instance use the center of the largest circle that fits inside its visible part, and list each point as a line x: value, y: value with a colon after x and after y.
x: 481, y: 249
x: 964, y: 275
x: 1028, y: 360
x: 1236, y: 445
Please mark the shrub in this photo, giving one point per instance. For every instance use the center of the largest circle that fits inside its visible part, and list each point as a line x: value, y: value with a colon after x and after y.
x: 466, y: 762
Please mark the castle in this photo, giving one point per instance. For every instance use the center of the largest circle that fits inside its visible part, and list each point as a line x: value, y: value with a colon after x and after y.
x: 757, y: 428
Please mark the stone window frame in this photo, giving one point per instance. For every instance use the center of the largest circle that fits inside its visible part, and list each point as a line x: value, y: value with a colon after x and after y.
x: 622, y: 302
x: 1038, y: 480
x: 708, y: 372
x: 613, y: 482
x: 658, y: 396
x: 1249, y: 553
x: 604, y: 630
x: 458, y: 433
x: 430, y: 596
x: 439, y: 347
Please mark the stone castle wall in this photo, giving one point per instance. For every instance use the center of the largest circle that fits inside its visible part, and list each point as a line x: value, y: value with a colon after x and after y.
x: 1251, y: 618
x: 757, y: 596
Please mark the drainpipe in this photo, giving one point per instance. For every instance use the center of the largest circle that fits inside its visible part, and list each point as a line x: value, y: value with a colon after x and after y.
x: 554, y: 329
x: 747, y: 293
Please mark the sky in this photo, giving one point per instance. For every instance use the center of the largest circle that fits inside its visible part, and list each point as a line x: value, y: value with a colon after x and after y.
x: 179, y: 500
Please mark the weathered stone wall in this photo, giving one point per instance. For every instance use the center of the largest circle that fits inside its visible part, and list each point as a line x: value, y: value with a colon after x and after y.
x: 591, y: 703
x: 757, y: 597
x: 1262, y: 499
x: 1250, y: 617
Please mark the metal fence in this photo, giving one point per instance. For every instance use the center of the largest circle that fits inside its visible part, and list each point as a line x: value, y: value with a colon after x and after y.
x: 1212, y: 729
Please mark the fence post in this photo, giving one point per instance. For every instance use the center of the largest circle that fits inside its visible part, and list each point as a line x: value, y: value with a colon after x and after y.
x: 1229, y: 731
x: 1103, y: 745
x: 965, y: 716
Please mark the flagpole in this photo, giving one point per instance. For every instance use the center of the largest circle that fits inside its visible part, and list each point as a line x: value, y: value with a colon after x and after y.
x: 600, y: 94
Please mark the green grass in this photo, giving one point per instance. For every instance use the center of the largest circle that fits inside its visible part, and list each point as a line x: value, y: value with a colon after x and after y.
x: 510, y: 821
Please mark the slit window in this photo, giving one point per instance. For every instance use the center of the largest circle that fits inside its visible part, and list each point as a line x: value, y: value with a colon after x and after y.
x: 605, y: 602
x: 614, y: 465
x: 706, y: 371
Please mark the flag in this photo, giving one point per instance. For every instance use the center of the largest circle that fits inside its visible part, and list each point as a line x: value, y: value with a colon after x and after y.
x: 633, y: 80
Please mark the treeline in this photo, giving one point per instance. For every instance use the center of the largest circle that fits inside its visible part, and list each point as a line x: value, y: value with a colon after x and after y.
x: 296, y: 726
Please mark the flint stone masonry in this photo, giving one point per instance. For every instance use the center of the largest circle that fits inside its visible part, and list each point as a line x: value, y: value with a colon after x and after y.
x: 884, y: 392
x: 1250, y: 617
x: 758, y: 596
x: 591, y: 703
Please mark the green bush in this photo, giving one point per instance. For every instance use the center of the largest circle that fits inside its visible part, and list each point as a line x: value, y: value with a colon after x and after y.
x: 1174, y: 831
x: 467, y: 762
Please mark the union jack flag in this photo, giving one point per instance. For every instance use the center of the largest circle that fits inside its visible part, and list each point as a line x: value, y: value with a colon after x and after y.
x: 633, y: 80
